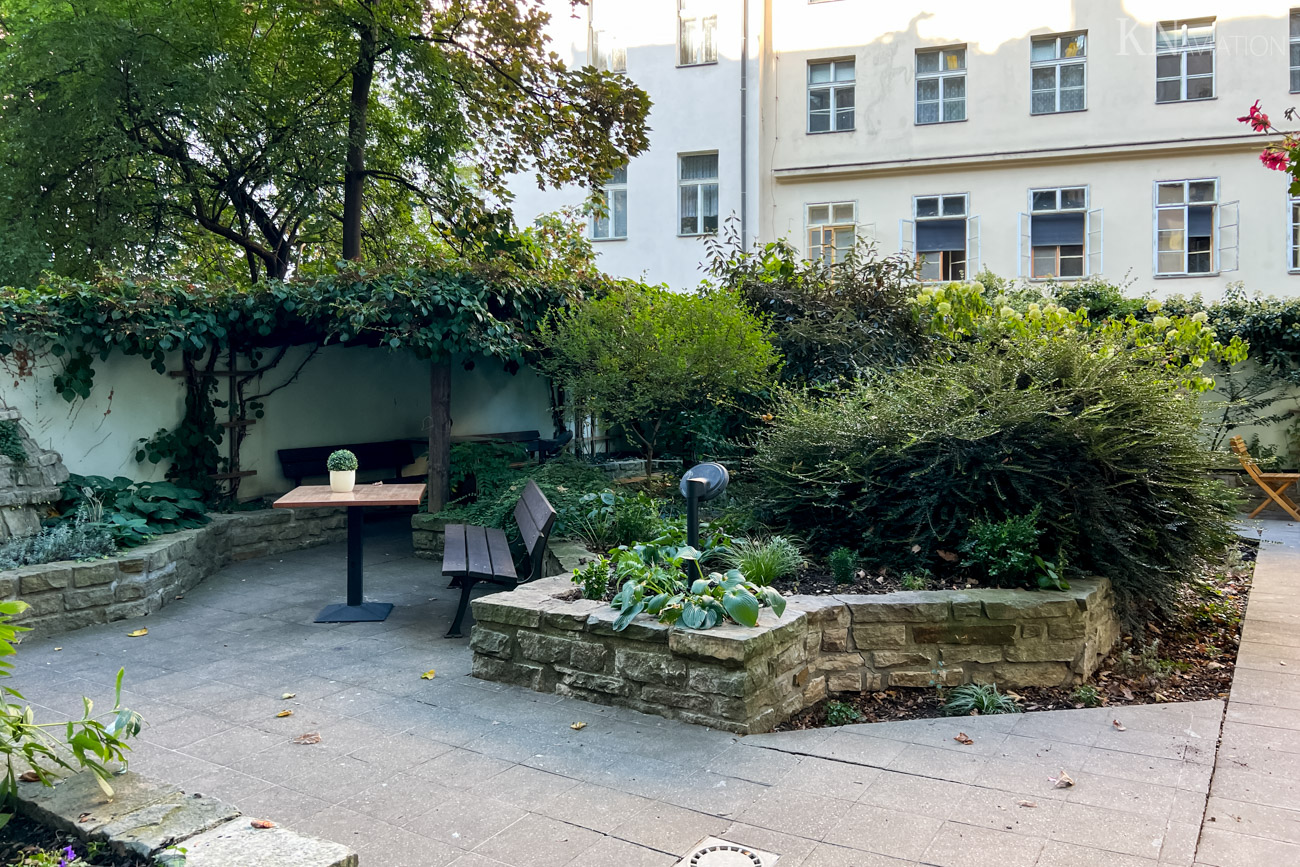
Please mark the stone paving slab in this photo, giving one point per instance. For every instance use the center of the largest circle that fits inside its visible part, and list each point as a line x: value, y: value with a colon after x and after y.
x: 457, y: 771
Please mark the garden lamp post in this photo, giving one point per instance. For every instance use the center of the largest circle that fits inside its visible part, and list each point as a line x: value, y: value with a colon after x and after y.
x: 702, y: 482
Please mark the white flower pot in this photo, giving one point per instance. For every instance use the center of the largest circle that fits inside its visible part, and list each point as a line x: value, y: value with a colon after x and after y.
x: 342, y: 481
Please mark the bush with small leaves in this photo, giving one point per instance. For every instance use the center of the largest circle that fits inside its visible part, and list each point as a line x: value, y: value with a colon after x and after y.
x: 916, y: 581
x: 78, y: 539
x: 839, y: 713
x: 844, y: 565
x: 978, y: 699
x: 594, y: 578
x: 341, y: 461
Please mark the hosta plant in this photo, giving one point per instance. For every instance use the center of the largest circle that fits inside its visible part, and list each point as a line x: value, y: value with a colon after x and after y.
x: 670, y: 584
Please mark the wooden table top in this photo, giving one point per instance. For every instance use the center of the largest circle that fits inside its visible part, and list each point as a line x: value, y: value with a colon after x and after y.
x: 316, y: 496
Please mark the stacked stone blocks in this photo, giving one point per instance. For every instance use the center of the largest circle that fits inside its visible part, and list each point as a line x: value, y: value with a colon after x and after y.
x: 542, y: 636
x: 69, y: 595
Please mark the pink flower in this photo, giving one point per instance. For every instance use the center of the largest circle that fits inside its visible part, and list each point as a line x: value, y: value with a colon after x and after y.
x: 1274, y: 159
x: 1258, y: 121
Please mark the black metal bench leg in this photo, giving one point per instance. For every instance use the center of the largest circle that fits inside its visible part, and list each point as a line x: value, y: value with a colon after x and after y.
x: 466, y: 585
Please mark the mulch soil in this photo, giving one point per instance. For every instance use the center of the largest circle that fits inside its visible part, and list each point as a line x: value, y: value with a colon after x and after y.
x: 1189, y: 657
x: 22, y: 840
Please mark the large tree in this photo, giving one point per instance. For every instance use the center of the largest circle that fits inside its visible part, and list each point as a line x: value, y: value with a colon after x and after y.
x: 142, y: 132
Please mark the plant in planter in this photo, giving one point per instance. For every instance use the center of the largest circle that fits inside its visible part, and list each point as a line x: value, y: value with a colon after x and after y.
x: 342, y: 465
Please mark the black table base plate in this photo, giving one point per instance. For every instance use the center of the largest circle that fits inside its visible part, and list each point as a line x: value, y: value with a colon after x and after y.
x: 363, y: 613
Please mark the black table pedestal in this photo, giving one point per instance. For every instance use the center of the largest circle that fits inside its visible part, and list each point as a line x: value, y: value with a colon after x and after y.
x: 355, y: 610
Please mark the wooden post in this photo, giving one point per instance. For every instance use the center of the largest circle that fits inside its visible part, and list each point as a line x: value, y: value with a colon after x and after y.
x: 439, y: 433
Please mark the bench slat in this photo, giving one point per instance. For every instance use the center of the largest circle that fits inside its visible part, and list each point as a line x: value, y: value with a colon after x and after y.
x: 453, y: 550
x: 529, y: 532
x: 503, y: 562
x: 538, y: 506
x: 479, y: 561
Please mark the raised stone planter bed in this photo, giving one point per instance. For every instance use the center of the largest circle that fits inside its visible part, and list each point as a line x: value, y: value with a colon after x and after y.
x: 146, y: 817
x: 544, y: 637
x: 69, y: 594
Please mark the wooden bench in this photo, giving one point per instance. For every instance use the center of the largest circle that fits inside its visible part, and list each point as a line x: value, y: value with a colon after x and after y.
x: 299, y: 464
x: 472, y: 554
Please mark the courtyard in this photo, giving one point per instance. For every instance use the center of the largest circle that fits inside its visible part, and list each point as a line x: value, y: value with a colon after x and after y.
x: 454, y: 770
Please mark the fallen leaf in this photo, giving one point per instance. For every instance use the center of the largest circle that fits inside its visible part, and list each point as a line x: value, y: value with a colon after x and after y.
x: 1160, y: 696
x: 1063, y: 781
x: 1128, y: 693
x: 284, y: 713
x: 428, y: 675
x: 1214, y: 665
x: 309, y: 738
x: 1119, y: 727
x: 85, y: 817
x: 288, y: 695
x: 1279, y: 662
x: 1015, y: 695
x: 947, y: 555
x: 137, y: 633
x: 58, y: 648
x: 29, y: 777
x: 262, y: 823
x: 1154, y: 628
x: 578, y: 726
x: 180, y: 597
x: 1029, y: 804
x: 916, y: 549
x: 963, y: 738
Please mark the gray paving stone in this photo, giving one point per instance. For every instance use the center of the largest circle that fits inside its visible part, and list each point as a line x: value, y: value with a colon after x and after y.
x: 238, y: 844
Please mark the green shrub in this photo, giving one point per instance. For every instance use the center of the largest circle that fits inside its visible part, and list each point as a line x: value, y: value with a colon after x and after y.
x: 1006, y: 553
x: 1087, y: 695
x: 134, y: 512
x: 607, y: 519
x: 11, y: 442
x: 594, y: 578
x: 844, y: 565
x: 78, y: 539
x: 840, y: 713
x: 564, y: 480
x: 765, y: 560
x: 916, y: 581
x: 1105, y: 444
x: 341, y: 461
x: 978, y: 699
x: 489, y: 465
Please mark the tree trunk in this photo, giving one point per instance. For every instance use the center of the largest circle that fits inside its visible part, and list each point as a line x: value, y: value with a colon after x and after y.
x: 439, y: 434
x: 354, y: 179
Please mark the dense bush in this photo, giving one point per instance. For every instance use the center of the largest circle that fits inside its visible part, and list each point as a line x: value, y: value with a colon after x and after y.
x: 831, y: 323
x: 640, y: 355
x: 564, y: 480
x: 133, y: 512
x: 11, y: 442
x: 1098, y: 439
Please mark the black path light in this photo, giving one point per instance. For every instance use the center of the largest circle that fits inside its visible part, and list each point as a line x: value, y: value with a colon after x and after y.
x: 702, y: 482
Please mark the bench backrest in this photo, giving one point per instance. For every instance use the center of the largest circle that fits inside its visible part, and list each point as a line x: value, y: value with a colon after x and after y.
x: 535, y: 517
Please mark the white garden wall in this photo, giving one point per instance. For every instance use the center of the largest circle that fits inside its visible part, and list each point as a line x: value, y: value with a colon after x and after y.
x: 342, y: 395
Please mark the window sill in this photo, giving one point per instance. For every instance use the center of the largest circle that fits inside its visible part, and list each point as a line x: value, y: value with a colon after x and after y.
x: 1184, y: 101
x: 693, y: 65
x: 696, y: 234
x: 1058, y: 279
x: 1033, y: 113
x: 940, y: 122
x: 1188, y: 276
x: 607, y: 240
x: 830, y: 131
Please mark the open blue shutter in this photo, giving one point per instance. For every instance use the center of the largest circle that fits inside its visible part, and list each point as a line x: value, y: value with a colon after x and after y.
x: 1054, y: 230
x: 933, y: 236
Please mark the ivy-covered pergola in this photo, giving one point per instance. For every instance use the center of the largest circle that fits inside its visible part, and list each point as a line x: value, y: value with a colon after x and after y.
x: 232, y: 334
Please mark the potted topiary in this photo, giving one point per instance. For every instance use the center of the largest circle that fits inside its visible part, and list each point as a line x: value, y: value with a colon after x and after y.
x: 342, y: 465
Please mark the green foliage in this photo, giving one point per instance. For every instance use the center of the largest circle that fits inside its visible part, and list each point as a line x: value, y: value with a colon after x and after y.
x: 839, y: 713
x: 916, y: 581
x: 1006, y: 552
x: 764, y: 560
x: 564, y: 480
x: 11, y: 442
x: 1100, y: 440
x: 640, y: 355
x: 1087, y: 695
x: 975, y: 699
x: 341, y: 461
x: 608, y: 519
x: 844, y: 565
x: 830, y: 323
x: 594, y: 578
x: 84, y: 743
x: 81, y: 538
x: 134, y: 512
x: 487, y: 464
x: 126, y: 143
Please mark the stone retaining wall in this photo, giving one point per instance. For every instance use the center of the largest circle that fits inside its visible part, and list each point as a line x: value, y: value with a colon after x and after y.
x: 544, y: 637
x: 71, y: 594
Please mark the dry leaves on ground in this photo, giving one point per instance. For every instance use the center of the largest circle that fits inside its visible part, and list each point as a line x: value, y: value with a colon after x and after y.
x: 288, y: 695
x: 1119, y: 726
x: 262, y: 823
x: 308, y: 738
x: 963, y: 738
x: 1063, y: 781
x: 578, y: 726
x: 284, y: 713
x: 137, y: 633
x: 428, y: 675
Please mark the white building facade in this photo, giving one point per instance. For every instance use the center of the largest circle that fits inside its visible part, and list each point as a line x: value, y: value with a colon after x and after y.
x: 1036, y: 138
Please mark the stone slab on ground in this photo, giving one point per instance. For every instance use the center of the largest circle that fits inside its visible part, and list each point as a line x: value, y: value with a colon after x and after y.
x: 239, y: 844
x: 153, y: 828
x: 79, y: 805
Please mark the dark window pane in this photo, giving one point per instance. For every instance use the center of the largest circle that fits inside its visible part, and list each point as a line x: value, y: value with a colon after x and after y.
x: 1073, y: 100
x: 1200, y: 88
x: 1169, y: 65
x: 820, y: 122
x: 1169, y: 91
x: 819, y: 99
x: 1043, y: 102
x: 1200, y: 62
x: 928, y: 207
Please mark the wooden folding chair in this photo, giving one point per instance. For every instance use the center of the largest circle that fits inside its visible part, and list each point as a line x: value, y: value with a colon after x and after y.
x: 1274, y: 485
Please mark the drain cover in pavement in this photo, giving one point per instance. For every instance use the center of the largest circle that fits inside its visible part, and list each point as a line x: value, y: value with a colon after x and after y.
x: 713, y: 852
